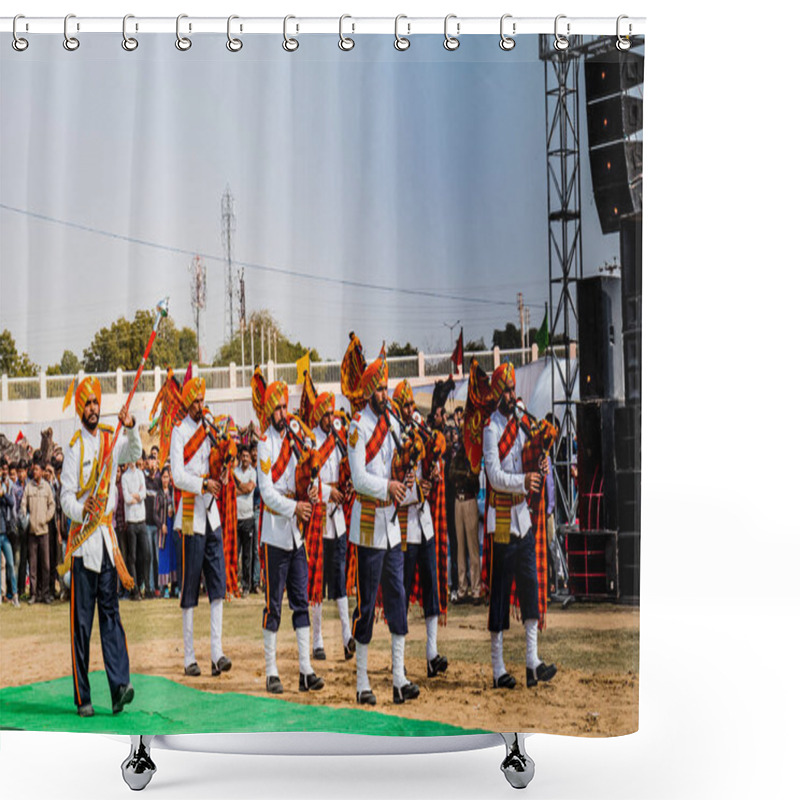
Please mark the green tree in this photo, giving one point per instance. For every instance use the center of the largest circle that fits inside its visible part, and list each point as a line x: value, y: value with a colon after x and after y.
x: 12, y: 363
x: 122, y: 345
x: 69, y: 365
x: 475, y: 346
x: 287, y: 351
x: 396, y: 349
x: 507, y: 339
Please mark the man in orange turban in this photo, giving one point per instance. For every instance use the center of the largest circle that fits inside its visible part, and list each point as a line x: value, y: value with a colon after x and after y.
x: 375, y: 532
x: 286, y: 564
x: 334, y: 533
x: 198, y: 519
x: 416, y: 522
x: 508, y: 521
x: 95, y: 560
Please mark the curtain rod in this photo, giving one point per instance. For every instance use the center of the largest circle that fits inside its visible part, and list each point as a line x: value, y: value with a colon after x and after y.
x: 513, y: 26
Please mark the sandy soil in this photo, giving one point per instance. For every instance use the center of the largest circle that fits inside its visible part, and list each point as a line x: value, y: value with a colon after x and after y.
x: 595, y: 692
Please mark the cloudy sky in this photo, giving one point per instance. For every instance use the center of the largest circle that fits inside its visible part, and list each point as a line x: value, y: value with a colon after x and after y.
x: 383, y: 192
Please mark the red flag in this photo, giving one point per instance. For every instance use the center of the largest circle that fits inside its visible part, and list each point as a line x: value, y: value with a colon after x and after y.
x: 458, y: 354
x: 188, y: 376
x: 19, y: 438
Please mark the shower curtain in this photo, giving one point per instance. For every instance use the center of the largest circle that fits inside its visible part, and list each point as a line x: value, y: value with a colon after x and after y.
x: 320, y: 384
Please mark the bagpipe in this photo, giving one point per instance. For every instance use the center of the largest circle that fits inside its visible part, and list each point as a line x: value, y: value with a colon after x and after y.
x: 540, y: 437
x: 224, y: 446
x: 309, y: 463
x: 345, y: 479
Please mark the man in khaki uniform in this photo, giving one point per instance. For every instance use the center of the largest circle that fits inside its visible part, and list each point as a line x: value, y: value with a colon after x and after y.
x: 38, y: 501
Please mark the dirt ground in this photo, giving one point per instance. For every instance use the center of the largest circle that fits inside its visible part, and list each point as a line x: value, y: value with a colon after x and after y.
x: 596, y: 649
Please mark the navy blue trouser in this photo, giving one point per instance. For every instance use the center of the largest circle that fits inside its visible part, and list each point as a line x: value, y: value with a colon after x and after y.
x: 382, y: 568
x: 515, y: 559
x: 286, y: 569
x: 424, y: 555
x: 202, y: 554
x: 334, y: 560
x: 90, y: 588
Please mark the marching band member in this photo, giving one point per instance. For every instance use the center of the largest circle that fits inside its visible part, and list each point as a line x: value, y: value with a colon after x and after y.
x: 95, y: 558
x: 420, y: 541
x: 508, y: 520
x: 281, y: 535
x: 375, y: 531
x: 334, y: 540
x: 198, y: 519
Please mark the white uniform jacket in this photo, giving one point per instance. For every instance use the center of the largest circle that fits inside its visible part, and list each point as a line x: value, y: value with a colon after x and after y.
x: 372, y: 479
x: 78, y: 462
x: 189, y: 477
x: 335, y: 525
x: 507, y: 475
x: 278, y: 523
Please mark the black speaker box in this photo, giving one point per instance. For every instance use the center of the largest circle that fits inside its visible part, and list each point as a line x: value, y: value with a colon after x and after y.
x: 600, y: 338
x: 629, y: 549
x: 612, y: 72
x: 613, y: 118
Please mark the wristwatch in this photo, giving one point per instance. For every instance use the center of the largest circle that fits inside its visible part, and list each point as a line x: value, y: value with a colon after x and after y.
x: 205, y: 484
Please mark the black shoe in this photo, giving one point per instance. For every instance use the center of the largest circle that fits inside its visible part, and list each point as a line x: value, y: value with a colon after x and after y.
x: 135, y: 595
x: 274, y: 685
x: 350, y: 649
x: 544, y: 672
x: 86, y: 710
x: 193, y: 670
x: 311, y: 682
x: 437, y: 666
x: 124, y: 695
x: 505, y: 681
x: 223, y: 665
x: 409, y: 692
x: 319, y: 654
x: 48, y: 601
x: 366, y: 698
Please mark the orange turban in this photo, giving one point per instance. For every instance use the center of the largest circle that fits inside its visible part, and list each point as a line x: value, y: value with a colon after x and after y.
x: 276, y: 392
x: 324, y: 403
x: 403, y: 393
x: 88, y: 386
x: 376, y: 374
x: 192, y: 389
x: 502, y: 379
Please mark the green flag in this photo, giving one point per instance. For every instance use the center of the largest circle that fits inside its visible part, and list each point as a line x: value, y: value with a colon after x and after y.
x: 543, y: 334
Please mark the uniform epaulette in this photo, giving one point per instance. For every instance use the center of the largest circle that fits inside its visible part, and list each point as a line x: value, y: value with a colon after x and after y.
x: 75, y: 437
x: 106, y: 428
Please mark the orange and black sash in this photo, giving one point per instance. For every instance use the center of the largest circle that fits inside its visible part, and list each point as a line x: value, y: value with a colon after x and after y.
x: 284, y: 457
x: 508, y: 438
x: 502, y: 502
x: 327, y: 448
x: 378, y: 437
x: 190, y: 450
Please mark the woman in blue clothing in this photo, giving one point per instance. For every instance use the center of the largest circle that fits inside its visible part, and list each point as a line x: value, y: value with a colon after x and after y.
x: 165, y: 516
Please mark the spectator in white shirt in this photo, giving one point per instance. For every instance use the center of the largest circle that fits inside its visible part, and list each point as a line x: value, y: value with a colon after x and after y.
x: 134, y: 492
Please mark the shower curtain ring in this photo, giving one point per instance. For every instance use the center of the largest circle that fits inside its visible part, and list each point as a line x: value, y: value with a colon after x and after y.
x: 70, y: 42
x: 451, y: 42
x: 561, y: 42
x: 233, y: 44
x: 345, y: 42
x: 18, y: 43
x: 290, y: 45
x: 623, y: 42
x: 181, y: 42
x: 400, y: 42
x: 507, y: 42
x: 128, y: 42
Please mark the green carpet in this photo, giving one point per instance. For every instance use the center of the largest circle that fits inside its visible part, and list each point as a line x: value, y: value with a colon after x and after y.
x: 162, y: 706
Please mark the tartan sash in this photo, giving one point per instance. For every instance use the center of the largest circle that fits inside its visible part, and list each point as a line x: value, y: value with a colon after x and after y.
x: 190, y: 450
x: 285, y: 455
x: 508, y: 438
x: 326, y: 449
x: 314, y: 552
x: 378, y: 437
x: 402, y: 518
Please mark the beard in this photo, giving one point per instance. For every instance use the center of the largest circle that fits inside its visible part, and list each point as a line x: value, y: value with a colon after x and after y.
x: 377, y: 406
x: 278, y: 424
x: 504, y: 407
x: 90, y: 421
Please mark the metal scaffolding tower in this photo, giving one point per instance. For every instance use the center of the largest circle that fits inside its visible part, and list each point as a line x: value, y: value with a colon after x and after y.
x: 198, y: 287
x: 228, y: 229
x: 565, y: 248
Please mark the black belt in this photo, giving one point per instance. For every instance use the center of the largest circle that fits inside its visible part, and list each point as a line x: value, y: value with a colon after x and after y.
x: 465, y: 496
